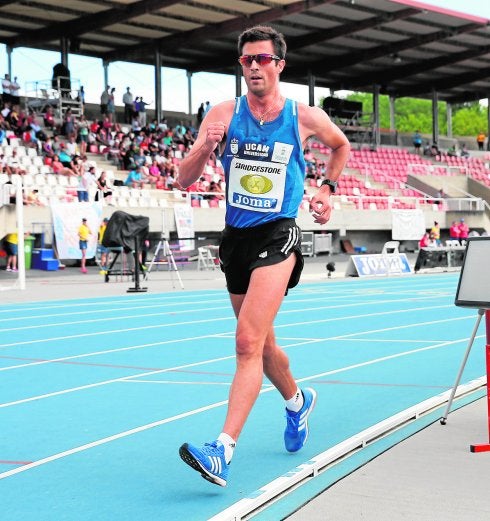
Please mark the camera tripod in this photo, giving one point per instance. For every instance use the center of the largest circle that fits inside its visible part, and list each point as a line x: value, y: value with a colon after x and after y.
x: 163, y: 250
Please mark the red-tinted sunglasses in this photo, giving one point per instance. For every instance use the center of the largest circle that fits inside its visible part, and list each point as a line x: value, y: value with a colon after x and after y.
x: 262, y: 59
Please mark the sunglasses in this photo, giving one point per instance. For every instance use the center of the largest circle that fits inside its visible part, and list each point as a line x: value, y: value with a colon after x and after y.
x: 262, y: 59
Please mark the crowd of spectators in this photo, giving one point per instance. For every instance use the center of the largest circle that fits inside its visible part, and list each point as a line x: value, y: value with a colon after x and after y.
x: 149, y: 151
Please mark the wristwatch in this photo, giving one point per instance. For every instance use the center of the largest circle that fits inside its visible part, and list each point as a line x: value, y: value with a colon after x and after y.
x: 331, y: 184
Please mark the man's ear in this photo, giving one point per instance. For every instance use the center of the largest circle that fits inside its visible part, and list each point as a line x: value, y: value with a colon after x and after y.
x: 281, y: 64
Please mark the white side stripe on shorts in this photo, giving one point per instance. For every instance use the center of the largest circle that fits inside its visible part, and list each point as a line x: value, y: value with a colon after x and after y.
x: 293, y: 237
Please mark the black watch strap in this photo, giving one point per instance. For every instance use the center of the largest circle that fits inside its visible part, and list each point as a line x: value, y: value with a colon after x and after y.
x: 331, y: 184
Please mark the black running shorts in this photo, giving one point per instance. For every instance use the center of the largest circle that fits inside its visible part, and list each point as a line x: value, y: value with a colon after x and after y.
x: 244, y: 249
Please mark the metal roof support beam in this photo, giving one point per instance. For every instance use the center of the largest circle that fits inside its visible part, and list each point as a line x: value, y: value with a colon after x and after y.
x: 105, y: 67
x: 488, y: 123
x: 377, y: 135
x: 446, y: 83
x: 435, y: 117
x: 158, y: 86
x: 387, y: 76
x: 64, y: 50
x: 189, y: 91
x: 392, y: 100
x: 344, y: 61
x: 9, y: 60
x: 311, y: 89
x: 89, y: 23
x: 449, y: 119
x: 189, y: 38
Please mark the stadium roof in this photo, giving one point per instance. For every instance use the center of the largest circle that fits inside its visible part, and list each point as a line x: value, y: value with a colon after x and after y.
x: 404, y: 46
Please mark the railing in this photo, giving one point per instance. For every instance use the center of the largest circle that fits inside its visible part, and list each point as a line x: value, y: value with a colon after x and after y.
x: 61, y: 95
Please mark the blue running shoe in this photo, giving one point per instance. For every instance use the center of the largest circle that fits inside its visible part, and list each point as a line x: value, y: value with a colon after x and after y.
x: 296, y: 431
x: 208, y: 460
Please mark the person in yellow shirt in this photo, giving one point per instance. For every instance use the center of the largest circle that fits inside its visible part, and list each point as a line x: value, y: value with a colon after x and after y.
x: 104, y: 252
x: 435, y: 232
x: 83, y: 235
x: 11, y: 247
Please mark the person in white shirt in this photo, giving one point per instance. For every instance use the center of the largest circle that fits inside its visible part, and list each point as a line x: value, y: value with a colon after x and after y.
x: 71, y: 147
x: 6, y: 85
x: 14, y: 91
x: 128, y: 99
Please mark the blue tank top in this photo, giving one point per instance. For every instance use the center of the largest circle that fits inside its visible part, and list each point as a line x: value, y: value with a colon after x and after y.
x: 264, y: 167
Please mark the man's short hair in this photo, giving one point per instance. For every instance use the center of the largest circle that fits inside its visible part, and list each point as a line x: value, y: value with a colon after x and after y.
x: 263, y: 33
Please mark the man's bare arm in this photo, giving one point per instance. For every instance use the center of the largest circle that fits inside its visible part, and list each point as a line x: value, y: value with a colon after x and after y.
x: 315, y: 122
x: 211, y: 133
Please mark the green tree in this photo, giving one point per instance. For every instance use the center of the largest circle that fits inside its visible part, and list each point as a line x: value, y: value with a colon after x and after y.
x: 469, y: 119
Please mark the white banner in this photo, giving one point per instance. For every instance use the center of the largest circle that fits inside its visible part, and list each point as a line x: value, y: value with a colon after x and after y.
x: 184, y: 222
x: 407, y: 225
x: 67, y: 218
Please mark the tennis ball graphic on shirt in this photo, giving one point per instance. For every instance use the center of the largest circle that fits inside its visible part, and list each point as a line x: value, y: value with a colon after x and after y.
x: 256, y: 184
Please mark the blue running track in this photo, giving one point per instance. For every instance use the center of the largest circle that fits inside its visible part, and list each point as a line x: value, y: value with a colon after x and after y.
x: 97, y: 395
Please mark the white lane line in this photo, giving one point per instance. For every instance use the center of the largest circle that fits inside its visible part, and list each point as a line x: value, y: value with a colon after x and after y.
x: 110, y: 351
x: 121, y: 317
x: 102, y: 441
x: 197, y: 411
x: 203, y: 321
x: 113, y: 380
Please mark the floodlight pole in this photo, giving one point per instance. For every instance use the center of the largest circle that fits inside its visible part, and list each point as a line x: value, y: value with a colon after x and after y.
x: 485, y: 447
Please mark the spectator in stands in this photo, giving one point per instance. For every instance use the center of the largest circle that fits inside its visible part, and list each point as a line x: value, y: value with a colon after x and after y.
x: 454, y: 231
x: 15, y: 91
x: 463, y: 230
x: 83, y: 131
x: 216, y: 192
x: 111, y: 106
x: 13, y: 164
x: 464, y: 151
x: 103, y: 188
x: 81, y: 98
x: 104, y: 100
x: 71, y: 147
x: 171, y: 176
x: 83, y: 236
x: 85, y: 182
x: 207, y: 108
x: 64, y: 157
x: 135, y: 178
x: 452, y: 151
x: 47, y: 149
x: 434, y: 151
x: 417, y: 141
x: 59, y: 168
x: 136, y: 109
x: 154, y: 171
x: 48, y: 118
x: 127, y: 100
x: 11, y: 242
x: 29, y: 137
x: 142, y: 112
x: 200, y: 115
x: 135, y: 122
x: 32, y: 198
x: 68, y: 123
x: 480, y: 140
x: 6, y: 94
